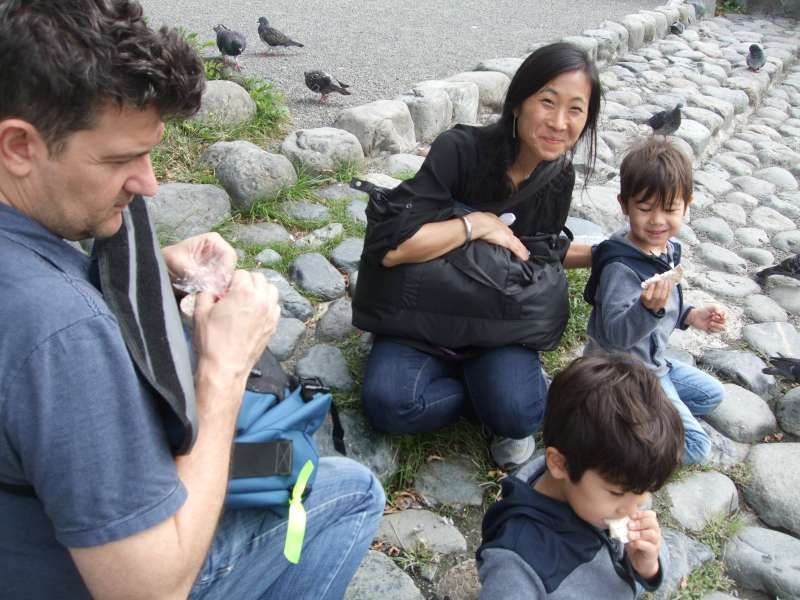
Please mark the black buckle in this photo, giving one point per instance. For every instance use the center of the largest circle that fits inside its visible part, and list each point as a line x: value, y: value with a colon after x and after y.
x: 311, y: 386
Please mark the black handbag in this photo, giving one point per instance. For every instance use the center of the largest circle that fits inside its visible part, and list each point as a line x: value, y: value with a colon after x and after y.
x: 477, y: 295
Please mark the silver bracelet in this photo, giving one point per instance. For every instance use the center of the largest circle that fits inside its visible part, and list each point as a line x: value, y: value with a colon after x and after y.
x: 468, y: 227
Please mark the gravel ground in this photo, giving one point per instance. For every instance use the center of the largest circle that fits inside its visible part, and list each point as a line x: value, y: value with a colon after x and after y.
x: 382, y: 47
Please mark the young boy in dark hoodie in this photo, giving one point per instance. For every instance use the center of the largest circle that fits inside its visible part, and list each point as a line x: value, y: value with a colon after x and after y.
x: 611, y: 437
x: 632, y: 316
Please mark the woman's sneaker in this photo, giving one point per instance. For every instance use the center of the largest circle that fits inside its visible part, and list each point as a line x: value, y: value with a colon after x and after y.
x: 509, y: 453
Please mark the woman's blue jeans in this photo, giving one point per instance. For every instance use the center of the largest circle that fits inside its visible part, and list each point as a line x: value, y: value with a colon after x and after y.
x: 408, y: 391
x: 694, y: 393
x: 246, y: 557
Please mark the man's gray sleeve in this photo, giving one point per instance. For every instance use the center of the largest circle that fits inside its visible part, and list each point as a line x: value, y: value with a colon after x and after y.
x: 623, y: 318
x: 504, y: 574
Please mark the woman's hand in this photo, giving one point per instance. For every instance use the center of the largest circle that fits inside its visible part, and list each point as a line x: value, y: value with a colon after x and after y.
x: 489, y: 228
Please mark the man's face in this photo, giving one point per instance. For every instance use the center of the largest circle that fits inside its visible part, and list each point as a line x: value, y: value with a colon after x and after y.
x: 82, y: 192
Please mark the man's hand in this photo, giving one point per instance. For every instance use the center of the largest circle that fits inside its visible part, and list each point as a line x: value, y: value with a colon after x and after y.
x: 711, y: 318
x: 184, y: 258
x: 230, y: 333
x: 644, y: 534
x: 657, y: 293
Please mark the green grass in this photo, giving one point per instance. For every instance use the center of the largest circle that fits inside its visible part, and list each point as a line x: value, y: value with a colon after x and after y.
x: 708, y: 578
x: 719, y: 530
x: 346, y: 171
x: 403, y: 175
x: 575, y: 333
x: 729, y: 6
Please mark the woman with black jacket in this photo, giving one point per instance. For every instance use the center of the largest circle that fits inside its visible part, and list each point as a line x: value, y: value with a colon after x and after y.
x: 471, y: 183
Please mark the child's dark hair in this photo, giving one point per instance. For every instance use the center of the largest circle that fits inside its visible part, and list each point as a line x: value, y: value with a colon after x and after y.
x: 608, y: 413
x: 656, y: 168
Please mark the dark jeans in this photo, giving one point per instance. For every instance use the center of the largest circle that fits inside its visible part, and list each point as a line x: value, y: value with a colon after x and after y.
x: 408, y: 391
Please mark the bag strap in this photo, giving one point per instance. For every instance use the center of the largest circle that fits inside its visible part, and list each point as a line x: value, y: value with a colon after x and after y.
x: 27, y: 491
x: 313, y: 385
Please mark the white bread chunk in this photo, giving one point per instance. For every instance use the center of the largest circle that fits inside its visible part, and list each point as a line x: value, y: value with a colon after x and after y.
x: 618, y: 529
x: 675, y: 275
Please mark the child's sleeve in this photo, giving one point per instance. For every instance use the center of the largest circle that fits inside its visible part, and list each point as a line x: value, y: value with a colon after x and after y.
x: 504, y: 574
x: 623, y: 319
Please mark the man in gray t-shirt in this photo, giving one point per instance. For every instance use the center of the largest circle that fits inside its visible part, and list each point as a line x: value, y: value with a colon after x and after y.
x: 92, y: 500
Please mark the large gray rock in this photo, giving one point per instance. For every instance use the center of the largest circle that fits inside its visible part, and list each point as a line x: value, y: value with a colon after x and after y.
x: 733, y: 213
x: 758, y: 256
x: 775, y: 479
x: 713, y: 182
x: 714, y: 228
x: 401, y: 164
x: 379, y: 577
x: 380, y: 126
x: 306, y: 211
x: 763, y: 309
x: 460, y: 582
x: 695, y: 134
x: 347, y: 254
x: 450, y: 481
x: 599, y: 205
x: 758, y: 188
x: 327, y: 363
x: 247, y: 172
x: 724, y: 451
x: 773, y: 339
x: 314, y: 274
x: 737, y: 98
x: 292, y: 302
x: 341, y: 191
x: 723, y: 259
x: 586, y: 43
x: 752, y: 236
x: 181, y: 210
x: 286, y: 337
x: 464, y: 98
x: 685, y: 555
x: 323, y: 149
x: 431, y: 111
x: 782, y: 179
x: 507, y: 66
x: 764, y: 560
x: 320, y: 236
x: 336, y: 322
x: 785, y: 291
x: 742, y: 415
x: 492, y: 86
x: 636, y: 31
x: 770, y: 220
x: 608, y: 44
x: 788, y: 241
x: 226, y: 103
x: 260, y: 234
x: 726, y: 284
x: 409, y: 529
x: 701, y: 498
x: 361, y: 442
x: 788, y: 412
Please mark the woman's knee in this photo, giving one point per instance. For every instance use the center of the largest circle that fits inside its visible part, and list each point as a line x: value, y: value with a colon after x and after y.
x: 514, y: 415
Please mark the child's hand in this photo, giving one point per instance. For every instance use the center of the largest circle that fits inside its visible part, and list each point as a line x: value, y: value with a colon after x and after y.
x: 644, y: 534
x: 657, y: 294
x: 710, y: 318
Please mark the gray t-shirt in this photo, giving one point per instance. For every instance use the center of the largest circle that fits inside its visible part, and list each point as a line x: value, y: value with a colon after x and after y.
x: 76, y: 422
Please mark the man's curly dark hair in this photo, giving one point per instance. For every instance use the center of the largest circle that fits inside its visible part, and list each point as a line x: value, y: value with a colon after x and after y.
x: 63, y: 61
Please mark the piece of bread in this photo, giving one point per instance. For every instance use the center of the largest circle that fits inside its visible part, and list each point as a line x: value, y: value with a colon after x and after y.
x: 618, y: 529
x: 675, y: 275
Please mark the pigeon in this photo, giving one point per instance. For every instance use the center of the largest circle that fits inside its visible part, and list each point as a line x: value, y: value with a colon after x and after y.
x: 666, y: 122
x: 789, y: 267
x: 755, y: 58
x: 230, y: 43
x: 788, y: 368
x: 273, y: 37
x: 677, y: 28
x: 323, y: 83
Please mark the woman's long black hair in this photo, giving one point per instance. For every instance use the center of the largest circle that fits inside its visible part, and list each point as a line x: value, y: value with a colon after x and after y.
x: 498, y: 145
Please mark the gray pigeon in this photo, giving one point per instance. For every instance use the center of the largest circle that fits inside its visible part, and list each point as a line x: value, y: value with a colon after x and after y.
x: 666, y: 122
x: 789, y: 267
x: 324, y: 83
x: 788, y: 368
x: 230, y: 43
x: 677, y: 28
x: 755, y: 58
x: 273, y: 37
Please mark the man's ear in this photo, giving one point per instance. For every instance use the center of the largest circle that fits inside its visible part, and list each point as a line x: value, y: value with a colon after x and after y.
x: 622, y: 204
x: 20, y: 145
x: 556, y: 463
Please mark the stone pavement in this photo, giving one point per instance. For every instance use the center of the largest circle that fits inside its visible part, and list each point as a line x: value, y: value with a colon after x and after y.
x: 742, y: 130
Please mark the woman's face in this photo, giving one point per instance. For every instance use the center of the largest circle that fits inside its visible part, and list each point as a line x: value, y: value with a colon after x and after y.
x: 550, y: 121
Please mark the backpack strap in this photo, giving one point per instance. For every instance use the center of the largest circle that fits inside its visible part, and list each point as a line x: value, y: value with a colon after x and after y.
x: 18, y: 489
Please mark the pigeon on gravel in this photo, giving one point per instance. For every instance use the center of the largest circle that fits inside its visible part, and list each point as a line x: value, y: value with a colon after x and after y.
x: 230, y: 43
x: 789, y: 267
x: 755, y: 58
x: 666, y: 122
x: 324, y: 83
x: 788, y: 368
x: 273, y: 37
x: 677, y: 28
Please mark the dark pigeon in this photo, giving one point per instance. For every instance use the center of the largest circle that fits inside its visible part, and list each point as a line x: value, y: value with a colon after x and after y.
x: 230, y: 43
x: 677, y: 28
x: 788, y: 368
x: 323, y: 83
x: 789, y: 267
x: 756, y: 58
x: 666, y: 122
x: 273, y: 37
